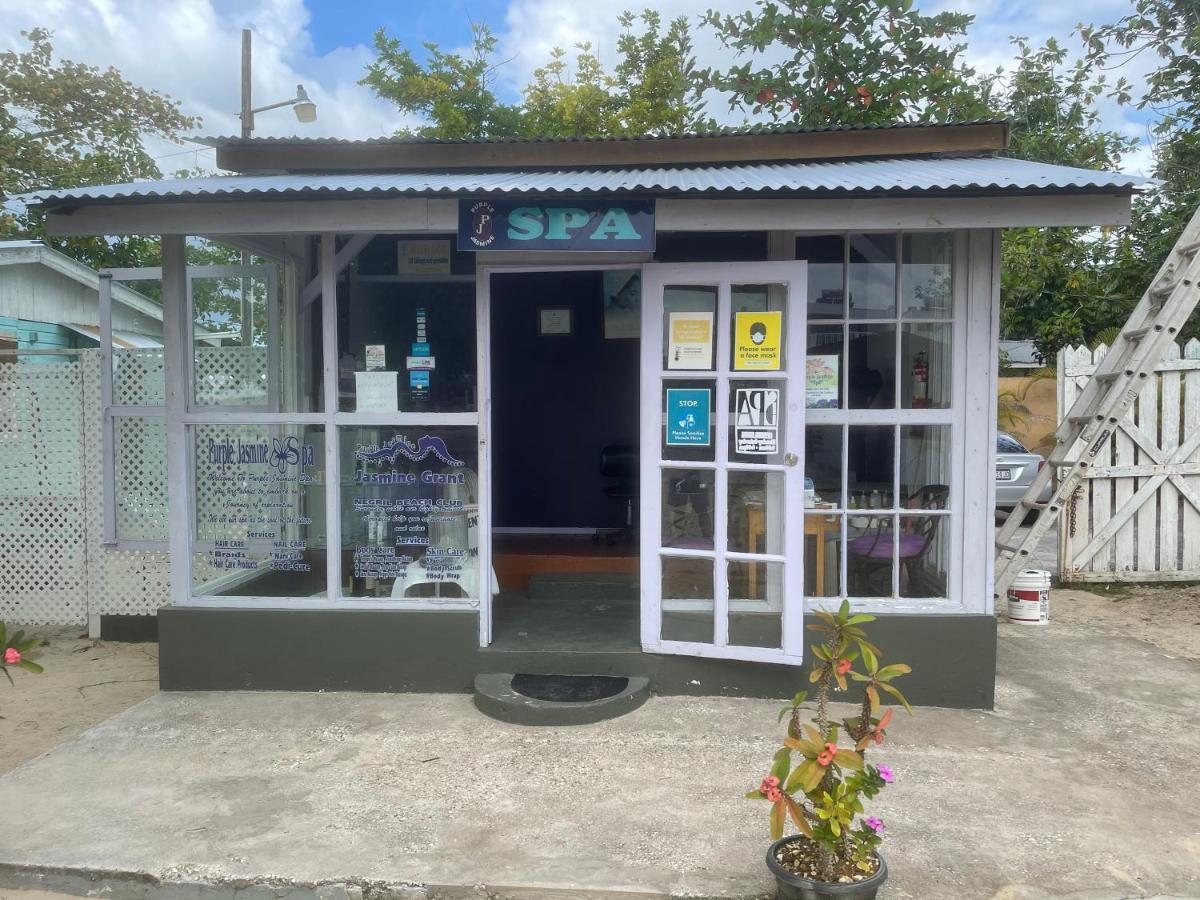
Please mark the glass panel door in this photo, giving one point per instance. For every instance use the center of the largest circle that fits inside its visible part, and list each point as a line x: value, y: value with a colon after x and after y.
x: 722, y: 459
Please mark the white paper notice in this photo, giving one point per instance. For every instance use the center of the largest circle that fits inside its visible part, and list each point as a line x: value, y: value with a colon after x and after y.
x: 690, y: 340
x: 375, y: 391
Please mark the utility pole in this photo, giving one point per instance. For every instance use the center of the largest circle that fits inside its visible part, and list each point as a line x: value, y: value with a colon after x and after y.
x: 246, y: 331
x: 247, y: 108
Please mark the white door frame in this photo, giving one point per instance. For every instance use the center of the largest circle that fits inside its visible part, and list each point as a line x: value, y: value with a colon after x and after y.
x: 483, y: 331
x: 655, y: 277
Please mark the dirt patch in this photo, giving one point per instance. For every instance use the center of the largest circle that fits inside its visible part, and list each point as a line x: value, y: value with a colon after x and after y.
x: 85, y: 682
x: 1167, y: 616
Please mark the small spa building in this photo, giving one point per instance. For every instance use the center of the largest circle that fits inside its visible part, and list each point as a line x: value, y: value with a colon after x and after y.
x: 437, y: 409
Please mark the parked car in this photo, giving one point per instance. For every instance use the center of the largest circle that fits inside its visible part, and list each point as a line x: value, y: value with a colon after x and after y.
x: 1015, y: 470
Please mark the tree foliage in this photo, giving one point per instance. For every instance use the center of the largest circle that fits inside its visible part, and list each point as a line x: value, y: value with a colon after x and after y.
x: 845, y: 62
x: 66, y: 124
x: 653, y: 89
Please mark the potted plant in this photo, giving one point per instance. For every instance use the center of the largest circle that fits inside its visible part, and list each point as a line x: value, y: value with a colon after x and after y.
x: 15, y: 652
x: 836, y: 852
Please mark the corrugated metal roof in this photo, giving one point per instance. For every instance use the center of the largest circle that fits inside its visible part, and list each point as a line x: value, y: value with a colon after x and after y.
x: 888, y: 176
x: 784, y: 128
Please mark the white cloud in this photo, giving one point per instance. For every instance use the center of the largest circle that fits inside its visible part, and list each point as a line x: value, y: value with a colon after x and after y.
x: 191, y: 51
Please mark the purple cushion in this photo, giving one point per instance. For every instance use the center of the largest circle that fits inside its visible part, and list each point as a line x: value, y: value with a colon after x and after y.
x: 879, y: 546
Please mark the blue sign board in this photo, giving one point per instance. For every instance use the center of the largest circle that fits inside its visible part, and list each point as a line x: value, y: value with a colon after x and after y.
x: 577, y: 223
x: 688, y: 417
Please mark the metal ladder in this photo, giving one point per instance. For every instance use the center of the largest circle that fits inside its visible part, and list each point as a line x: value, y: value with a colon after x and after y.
x: 1108, y: 396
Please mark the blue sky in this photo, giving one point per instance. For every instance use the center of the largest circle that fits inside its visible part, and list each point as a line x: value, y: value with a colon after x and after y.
x: 189, y: 48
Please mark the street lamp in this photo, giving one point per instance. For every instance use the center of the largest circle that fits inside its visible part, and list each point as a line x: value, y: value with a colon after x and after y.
x: 301, y: 104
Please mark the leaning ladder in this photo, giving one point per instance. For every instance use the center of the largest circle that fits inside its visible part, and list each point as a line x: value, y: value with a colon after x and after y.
x: 1109, y: 394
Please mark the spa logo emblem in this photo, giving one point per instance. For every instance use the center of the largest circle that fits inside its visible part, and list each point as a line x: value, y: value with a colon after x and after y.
x: 290, y: 452
x: 400, y: 445
x: 483, y: 222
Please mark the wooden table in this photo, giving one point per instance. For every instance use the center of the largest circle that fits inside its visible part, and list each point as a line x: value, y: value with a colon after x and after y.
x: 816, y: 525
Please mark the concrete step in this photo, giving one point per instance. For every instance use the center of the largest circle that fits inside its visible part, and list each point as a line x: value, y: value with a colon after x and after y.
x: 566, y: 586
x: 537, y: 699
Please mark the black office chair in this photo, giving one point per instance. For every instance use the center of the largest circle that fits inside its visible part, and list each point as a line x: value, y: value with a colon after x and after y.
x: 619, y: 463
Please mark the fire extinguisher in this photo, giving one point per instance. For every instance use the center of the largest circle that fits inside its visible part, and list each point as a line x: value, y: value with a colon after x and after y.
x: 920, y: 381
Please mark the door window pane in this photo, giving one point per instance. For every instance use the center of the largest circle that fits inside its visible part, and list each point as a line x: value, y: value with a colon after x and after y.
x: 870, y: 457
x: 822, y: 466
x: 756, y: 512
x: 410, y: 511
x: 689, y: 417
x: 926, y: 275
x: 231, y: 340
x: 756, y: 421
x: 925, y: 466
x: 259, y: 501
x: 873, y: 276
x: 758, y: 327
x: 870, y: 555
x: 871, y: 370
x: 822, y: 555
x: 755, y: 604
x: 689, y: 327
x: 687, y: 590
x: 687, y: 508
x: 925, y: 353
x: 826, y: 258
x: 924, y: 546
x: 824, y: 368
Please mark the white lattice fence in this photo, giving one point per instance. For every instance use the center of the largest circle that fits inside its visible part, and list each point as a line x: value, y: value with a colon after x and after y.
x: 54, y: 568
x: 1137, y: 515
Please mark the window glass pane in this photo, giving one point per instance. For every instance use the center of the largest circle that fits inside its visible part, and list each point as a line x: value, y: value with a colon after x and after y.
x: 687, y: 508
x: 756, y: 421
x: 870, y: 457
x: 826, y: 257
x: 925, y: 466
x: 926, y: 275
x: 687, y: 590
x: 140, y: 464
x: 822, y: 555
x: 230, y: 339
x: 689, y: 416
x: 870, y: 555
x: 755, y: 604
x: 410, y: 512
x: 689, y: 327
x: 822, y: 466
x: 872, y: 276
x: 824, y: 368
x: 758, y: 329
x: 756, y: 512
x: 871, y: 370
x: 406, y: 343
x: 259, y: 501
x: 137, y: 345
x: 924, y: 545
x: 925, y: 351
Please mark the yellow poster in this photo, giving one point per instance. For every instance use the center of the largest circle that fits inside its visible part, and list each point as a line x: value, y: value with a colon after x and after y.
x: 757, y: 341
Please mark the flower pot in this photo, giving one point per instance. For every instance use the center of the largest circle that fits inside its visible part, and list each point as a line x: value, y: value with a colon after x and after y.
x: 793, y: 887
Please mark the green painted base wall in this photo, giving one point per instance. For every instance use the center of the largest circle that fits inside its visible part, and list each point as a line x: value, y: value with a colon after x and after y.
x: 218, y: 649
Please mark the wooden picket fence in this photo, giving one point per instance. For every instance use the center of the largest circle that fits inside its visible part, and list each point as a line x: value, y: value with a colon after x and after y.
x: 1137, y: 515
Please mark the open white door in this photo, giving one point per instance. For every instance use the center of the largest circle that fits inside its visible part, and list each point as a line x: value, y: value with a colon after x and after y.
x: 722, y: 471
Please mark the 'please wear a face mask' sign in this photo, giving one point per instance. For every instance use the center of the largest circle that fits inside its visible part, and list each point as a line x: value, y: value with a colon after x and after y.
x: 576, y: 224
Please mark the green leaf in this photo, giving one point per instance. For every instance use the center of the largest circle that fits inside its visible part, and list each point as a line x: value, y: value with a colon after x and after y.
x: 887, y: 673
x: 895, y: 693
x: 755, y: 794
x: 3, y: 639
x: 797, y: 816
x: 848, y: 759
x: 777, y: 814
x: 870, y: 660
x: 31, y: 666
x: 782, y: 765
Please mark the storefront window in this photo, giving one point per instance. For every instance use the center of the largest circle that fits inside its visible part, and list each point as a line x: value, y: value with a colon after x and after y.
x: 878, y: 443
x: 410, y: 512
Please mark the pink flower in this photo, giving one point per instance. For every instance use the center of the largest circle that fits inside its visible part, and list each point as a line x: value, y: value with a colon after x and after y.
x: 770, y: 783
x: 874, y: 824
x: 824, y: 758
x: 774, y: 795
x: 12, y: 656
x: 843, y: 666
x: 885, y: 772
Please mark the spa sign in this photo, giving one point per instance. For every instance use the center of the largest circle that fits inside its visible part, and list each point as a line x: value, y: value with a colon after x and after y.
x: 554, y: 224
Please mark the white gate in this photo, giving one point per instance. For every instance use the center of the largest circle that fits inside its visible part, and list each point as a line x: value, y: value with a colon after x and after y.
x: 1137, y: 515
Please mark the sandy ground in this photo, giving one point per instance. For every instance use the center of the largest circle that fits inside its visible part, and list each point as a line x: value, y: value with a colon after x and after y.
x: 85, y: 682
x: 1165, y: 616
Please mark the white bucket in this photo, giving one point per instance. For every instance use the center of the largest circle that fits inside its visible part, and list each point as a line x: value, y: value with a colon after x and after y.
x: 1029, y: 598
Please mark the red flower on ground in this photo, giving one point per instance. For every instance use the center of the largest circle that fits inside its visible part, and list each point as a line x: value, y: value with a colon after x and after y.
x: 12, y: 656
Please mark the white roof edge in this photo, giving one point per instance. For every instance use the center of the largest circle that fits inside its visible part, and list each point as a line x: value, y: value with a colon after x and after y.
x: 43, y: 254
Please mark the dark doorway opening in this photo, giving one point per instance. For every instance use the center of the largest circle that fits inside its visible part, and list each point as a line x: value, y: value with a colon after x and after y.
x: 565, y: 420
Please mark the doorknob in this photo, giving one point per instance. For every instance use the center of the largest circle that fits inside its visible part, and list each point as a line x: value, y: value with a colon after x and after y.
x: 790, y: 459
